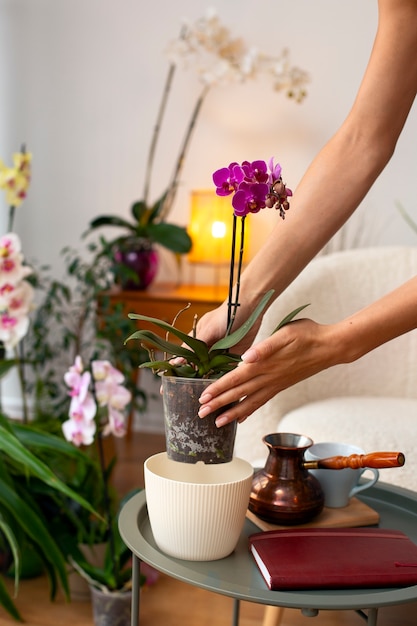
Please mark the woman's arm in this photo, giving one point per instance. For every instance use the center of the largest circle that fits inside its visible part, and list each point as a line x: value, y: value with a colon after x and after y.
x: 304, y: 348
x: 331, y: 189
x: 343, y: 171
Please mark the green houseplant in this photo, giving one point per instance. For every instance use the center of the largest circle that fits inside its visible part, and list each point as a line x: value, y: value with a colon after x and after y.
x: 30, y: 488
x: 98, y: 400
x: 51, y: 500
x: 254, y: 186
x: 218, y: 58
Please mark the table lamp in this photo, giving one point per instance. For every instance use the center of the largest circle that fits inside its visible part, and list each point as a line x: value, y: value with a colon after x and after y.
x: 210, y: 229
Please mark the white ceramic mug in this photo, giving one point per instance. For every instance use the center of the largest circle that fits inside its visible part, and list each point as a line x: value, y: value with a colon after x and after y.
x: 339, y: 485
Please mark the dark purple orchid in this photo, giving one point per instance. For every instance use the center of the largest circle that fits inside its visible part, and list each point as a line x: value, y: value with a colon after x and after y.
x: 249, y: 198
x: 255, y: 185
x: 227, y: 179
x: 256, y: 172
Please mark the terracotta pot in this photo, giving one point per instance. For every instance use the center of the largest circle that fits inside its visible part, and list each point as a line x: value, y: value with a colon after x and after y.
x: 141, y: 258
x: 112, y: 608
x: 189, y: 438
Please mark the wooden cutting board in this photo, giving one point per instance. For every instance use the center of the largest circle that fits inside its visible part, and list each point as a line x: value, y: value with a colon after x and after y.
x: 357, y: 513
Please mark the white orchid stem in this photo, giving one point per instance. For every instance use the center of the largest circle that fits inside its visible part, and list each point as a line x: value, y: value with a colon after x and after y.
x: 158, y: 124
x: 156, y: 131
x: 172, y: 189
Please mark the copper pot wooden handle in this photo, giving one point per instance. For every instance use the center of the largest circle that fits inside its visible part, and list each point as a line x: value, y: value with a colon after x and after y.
x: 355, y: 461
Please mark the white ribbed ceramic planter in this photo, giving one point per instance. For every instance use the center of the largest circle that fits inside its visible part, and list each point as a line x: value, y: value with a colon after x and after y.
x: 197, y: 511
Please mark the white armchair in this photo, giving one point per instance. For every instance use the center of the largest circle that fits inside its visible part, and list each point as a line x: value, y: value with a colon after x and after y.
x: 372, y: 402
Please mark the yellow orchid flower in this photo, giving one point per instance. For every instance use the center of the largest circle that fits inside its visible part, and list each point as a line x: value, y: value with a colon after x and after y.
x: 15, y: 180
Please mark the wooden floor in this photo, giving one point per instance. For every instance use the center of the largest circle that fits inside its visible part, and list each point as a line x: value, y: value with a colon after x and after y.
x: 170, y: 602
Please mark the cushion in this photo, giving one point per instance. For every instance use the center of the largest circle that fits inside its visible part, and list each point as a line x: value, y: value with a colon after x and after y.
x: 374, y: 424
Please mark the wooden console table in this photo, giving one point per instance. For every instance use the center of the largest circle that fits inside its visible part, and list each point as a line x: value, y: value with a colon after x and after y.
x: 165, y: 300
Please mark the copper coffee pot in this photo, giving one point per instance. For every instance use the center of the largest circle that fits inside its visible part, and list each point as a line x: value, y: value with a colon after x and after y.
x: 284, y: 491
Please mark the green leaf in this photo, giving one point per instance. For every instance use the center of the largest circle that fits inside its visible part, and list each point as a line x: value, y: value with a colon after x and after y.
x: 196, y: 345
x: 7, y: 603
x: 171, y: 236
x: 287, y: 319
x: 234, y: 338
x: 138, y: 210
x: 13, y: 447
x: 33, y: 526
x: 147, y: 337
x: 111, y: 220
x: 6, y: 365
x: 10, y: 537
x: 40, y: 440
x: 407, y: 217
x: 157, y: 208
x: 221, y: 360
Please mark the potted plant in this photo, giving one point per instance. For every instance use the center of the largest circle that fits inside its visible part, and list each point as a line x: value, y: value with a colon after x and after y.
x: 98, y: 400
x: 51, y: 500
x: 133, y: 254
x: 219, y: 58
x: 29, y: 487
x: 188, y: 367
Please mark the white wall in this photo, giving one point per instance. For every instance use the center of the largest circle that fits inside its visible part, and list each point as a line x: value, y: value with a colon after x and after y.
x: 80, y: 82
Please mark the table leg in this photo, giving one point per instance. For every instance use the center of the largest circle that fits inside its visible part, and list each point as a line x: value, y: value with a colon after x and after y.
x: 135, y: 590
x: 371, y: 618
x: 236, y: 610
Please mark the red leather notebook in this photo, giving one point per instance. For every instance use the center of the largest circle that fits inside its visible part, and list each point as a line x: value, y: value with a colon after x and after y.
x: 334, y: 558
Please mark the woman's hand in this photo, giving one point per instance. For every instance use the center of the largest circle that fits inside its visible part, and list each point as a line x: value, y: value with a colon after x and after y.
x: 211, y: 327
x: 295, y: 352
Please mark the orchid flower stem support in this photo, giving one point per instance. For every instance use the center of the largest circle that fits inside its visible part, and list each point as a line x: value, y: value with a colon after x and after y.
x: 233, y: 303
x: 181, y: 158
x: 231, y: 276
x: 239, y: 267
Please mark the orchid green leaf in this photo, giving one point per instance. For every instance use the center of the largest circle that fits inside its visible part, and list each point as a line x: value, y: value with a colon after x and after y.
x: 231, y: 340
x: 287, y: 319
x: 222, y: 359
x: 198, y: 346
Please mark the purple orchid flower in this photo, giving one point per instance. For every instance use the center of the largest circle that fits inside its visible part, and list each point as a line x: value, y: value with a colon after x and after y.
x: 249, y: 198
x: 227, y: 179
x: 255, y: 172
x: 275, y: 171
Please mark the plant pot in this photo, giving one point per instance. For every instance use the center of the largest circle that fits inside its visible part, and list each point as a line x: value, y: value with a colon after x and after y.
x: 78, y: 586
x: 197, y: 511
x: 138, y: 264
x: 189, y: 438
x: 111, y: 608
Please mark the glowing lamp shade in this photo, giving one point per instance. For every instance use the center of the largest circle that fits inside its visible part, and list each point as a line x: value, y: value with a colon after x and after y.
x: 211, y: 227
